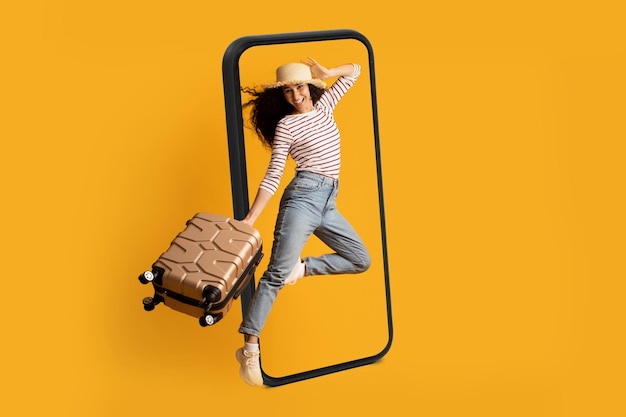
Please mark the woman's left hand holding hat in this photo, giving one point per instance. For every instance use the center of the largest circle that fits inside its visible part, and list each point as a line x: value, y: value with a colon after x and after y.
x: 318, y: 70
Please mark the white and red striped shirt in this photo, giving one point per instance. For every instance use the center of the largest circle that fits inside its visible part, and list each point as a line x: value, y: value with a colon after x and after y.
x: 312, y: 139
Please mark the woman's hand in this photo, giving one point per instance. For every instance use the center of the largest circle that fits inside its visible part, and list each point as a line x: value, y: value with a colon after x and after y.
x: 318, y: 70
x: 260, y: 201
x: 321, y: 72
x: 248, y: 222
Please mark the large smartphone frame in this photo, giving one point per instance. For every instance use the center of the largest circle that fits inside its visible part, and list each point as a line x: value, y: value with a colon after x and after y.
x: 238, y: 170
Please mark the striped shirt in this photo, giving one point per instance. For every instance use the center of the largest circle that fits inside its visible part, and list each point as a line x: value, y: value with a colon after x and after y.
x: 312, y: 139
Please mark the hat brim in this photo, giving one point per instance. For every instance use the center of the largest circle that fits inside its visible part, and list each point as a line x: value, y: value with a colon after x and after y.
x: 315, y: 81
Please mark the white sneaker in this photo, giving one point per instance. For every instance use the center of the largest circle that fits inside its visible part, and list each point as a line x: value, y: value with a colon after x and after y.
x: 296, y: 273
x: 250, y: 370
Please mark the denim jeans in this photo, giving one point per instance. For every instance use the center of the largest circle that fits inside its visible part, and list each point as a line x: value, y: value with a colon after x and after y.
x: 308, y: 206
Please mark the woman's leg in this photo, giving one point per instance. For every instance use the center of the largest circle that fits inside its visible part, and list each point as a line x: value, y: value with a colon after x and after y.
x: 291, y: 233
x: 299, y: 215
x: 350, y: 257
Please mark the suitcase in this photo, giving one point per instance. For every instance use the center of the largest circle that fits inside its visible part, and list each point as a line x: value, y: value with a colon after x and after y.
x: 206, y: 267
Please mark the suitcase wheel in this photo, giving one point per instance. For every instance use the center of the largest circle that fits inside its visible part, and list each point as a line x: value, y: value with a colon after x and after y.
x: 210, y: 319
x: 207, y: 320
x: 148, y: 304
x: 146, y: 277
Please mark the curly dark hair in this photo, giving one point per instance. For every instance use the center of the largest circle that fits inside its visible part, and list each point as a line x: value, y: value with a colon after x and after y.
x: 268, y: 106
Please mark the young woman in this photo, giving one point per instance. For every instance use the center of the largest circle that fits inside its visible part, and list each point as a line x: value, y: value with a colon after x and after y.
x: 294, y: 116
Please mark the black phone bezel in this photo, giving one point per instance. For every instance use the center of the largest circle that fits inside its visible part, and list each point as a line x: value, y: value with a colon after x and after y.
x: 239, y: 181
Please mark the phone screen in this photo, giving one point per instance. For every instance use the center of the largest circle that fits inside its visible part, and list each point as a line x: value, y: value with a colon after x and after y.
x: 323, y: 323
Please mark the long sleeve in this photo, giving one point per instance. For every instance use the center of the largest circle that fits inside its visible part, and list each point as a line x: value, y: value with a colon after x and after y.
x: 312, y: 139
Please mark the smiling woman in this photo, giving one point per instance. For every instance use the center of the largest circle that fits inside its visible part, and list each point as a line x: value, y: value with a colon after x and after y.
x: 294, y: 116
x: 299, y: 96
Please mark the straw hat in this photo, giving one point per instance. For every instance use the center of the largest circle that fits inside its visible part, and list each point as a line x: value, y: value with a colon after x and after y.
x: 295, y: 73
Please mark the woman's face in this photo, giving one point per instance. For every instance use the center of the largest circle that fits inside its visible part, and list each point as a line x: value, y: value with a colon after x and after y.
x: 299, y: 96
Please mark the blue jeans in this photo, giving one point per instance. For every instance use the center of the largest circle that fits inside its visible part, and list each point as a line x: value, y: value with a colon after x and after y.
x: 308, y: 206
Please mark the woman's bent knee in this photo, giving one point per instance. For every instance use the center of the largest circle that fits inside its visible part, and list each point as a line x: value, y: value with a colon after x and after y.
x: 363, y: 264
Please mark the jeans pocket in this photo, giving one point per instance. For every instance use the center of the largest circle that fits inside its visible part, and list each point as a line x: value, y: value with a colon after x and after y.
x: 305, y: 184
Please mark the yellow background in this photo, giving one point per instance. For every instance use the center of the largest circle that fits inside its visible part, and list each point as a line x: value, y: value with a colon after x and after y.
x: 502, y: 141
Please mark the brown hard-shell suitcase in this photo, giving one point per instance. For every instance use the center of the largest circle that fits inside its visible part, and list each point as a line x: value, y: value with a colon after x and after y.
x: 206, y: 267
